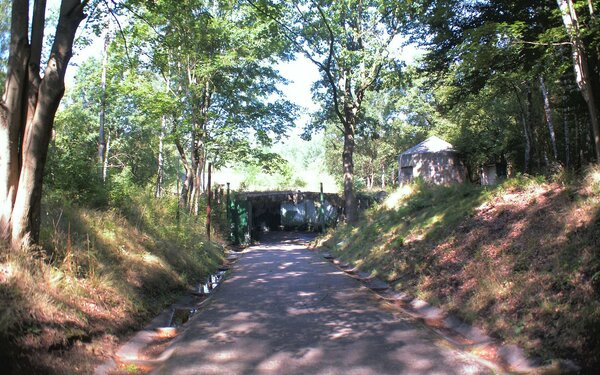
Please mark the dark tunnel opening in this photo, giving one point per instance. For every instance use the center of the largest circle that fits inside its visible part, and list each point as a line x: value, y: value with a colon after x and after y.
x: 266, y: 217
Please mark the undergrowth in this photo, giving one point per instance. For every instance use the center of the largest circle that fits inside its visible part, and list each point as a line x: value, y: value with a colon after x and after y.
x: 97, y: 274
x: 522, y: 259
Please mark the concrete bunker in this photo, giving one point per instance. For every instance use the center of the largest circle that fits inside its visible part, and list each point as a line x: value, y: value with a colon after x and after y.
x: 434, y: 160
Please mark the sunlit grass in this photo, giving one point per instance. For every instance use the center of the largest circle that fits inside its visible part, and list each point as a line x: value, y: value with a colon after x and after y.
x: 520, y: 259
x: 99, y: 271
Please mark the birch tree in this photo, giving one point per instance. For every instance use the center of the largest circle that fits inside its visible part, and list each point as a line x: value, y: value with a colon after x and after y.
x: 583, y: 74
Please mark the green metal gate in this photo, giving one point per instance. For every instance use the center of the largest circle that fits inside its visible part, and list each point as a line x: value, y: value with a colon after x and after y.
x: 238, y: 213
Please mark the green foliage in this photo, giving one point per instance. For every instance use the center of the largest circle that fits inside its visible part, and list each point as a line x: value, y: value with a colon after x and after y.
x: 71, y: 167
x: 122, y: 187
x: 293, y: 164
x: 4, y: 37
x: 257, y: 178
x: 217, y: 61
x: 483, y: 63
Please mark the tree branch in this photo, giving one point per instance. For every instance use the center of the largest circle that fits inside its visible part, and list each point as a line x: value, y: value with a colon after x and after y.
x: 114, y: 16
x: 543, y: 44
x: 137, y: 15
x: 37, y: 36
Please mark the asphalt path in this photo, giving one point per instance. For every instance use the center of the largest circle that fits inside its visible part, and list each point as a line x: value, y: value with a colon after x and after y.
x: 285, y: 310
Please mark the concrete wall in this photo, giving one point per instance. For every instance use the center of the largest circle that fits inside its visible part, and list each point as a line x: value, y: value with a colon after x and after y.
x: 440, y: 168
x: 305, y: 212
x: 489, y: 175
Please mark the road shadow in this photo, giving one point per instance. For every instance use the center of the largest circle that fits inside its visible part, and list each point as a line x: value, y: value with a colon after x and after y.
x: 285, y: 310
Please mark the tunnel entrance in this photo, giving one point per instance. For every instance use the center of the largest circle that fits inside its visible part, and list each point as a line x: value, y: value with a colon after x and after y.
x: 252, y: 214
x: 266, y: 216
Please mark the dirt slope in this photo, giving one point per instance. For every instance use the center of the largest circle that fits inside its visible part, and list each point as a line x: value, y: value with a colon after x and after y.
x: 98, y: 275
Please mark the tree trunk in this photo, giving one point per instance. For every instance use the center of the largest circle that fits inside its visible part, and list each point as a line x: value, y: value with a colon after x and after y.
x: 208, y: 202
x: 11, y: 113
x: 580, y: 65
x: 589, y: 141
x: 37, y: 40
x: 527, y: 156
x: 186, y: 188
x: 535, y: 152
x: 105, y: 162
x: 593, y: 24
x: 203, y: 173
x: 25, y: 218
x: 197, y: 188
x: 527, y: 133
x: 577, y: 143
x: 348, y: 168
x: 187, y: 183
x: 161, y: 158
x: 549, y: 119
x: 567, y: 140
x: 101, y: 139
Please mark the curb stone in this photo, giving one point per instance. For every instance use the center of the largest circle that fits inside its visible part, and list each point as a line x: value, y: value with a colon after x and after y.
x: 377, y: 285
x: 362, y: 276
x: 129, y: 352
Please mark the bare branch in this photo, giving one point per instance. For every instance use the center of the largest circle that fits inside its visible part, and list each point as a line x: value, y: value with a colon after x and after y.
x: 543, y: 44
x: 114, y: 16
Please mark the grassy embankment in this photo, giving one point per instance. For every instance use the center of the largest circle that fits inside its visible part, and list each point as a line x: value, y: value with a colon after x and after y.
x: 98, y: 275
x: 521, y: 259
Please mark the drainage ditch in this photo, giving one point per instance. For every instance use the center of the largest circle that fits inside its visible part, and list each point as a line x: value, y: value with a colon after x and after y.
x: 149, y: 347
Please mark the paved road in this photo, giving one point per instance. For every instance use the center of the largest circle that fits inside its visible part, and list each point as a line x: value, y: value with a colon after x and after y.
x: 284, y: 310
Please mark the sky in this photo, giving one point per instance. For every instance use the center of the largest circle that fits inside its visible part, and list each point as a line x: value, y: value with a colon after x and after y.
x: 301, y: 74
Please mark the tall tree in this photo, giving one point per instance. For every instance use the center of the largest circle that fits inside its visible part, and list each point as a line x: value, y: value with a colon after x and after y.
x: 549, y: 119
x: 216, y: 58
x: 583, y: 74
x: 510, y: 44
x: 102, y: 144
x: 349, y: 43
x: 27, y: 113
